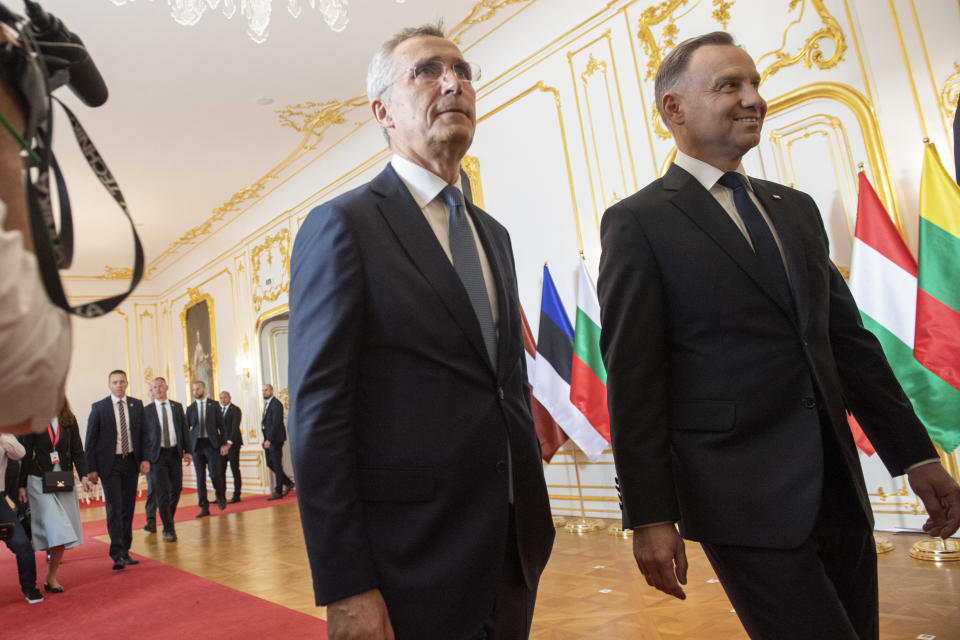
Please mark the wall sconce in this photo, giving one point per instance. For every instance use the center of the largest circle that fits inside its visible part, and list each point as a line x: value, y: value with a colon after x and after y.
x: 244, y: 362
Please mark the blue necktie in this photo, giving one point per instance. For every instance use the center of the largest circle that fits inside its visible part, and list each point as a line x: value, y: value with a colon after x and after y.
x: 763, y: 242
x: 466, y: 261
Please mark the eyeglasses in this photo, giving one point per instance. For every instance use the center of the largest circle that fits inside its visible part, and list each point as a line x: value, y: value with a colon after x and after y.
x: 434, y: 70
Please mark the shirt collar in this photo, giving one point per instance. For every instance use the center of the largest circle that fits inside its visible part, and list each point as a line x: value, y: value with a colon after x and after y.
x: 705, y: 173
x: 115, y: 399
x: 160, y: 403
x: 423, y: 184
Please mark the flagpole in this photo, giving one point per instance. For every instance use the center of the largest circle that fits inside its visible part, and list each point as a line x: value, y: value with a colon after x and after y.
x: 581, y: 525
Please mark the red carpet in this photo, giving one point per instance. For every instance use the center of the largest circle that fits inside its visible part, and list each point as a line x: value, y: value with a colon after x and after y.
x: 187, y: 510
x: 151, y: 600
x: 141, y: 497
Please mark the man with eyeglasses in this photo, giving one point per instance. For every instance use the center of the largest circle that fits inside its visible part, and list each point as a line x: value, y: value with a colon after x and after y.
x: 421, y: 490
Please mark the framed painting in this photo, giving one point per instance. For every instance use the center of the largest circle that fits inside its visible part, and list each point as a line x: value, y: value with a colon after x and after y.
x: 199, y: 343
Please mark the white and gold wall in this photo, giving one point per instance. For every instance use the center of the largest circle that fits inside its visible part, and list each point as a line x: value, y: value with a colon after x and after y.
x: 566, y: 126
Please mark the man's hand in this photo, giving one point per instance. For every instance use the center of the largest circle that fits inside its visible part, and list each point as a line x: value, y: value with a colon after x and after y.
x: 145, y: 467
x: 266, y: 444
x: 360, y: 617
x: 657, y: 549
x: 224, y: 449
x: 93, y: 477
x: 941, y: 497
x: 22, y: 494
x: 87, y: 485
x: 187, y: 458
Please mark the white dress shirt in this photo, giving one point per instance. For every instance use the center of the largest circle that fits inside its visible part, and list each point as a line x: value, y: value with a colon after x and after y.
x: 707, y: 175
x: 34, y: 338
x: 116, y: 417
x: 425, y: 187
x: 170, y: 428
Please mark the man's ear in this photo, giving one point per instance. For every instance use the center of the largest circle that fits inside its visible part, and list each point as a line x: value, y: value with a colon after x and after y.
x: 672, y: 111
x: 381, y: 113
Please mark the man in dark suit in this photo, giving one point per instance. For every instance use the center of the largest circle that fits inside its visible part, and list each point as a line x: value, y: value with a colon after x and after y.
x: 733, y: 347
x: 207, y: 444
x: 274, y: 435
x: 421, y: 491
x: 118, y: 449
x: 164, y: 418
x: 232, y: 417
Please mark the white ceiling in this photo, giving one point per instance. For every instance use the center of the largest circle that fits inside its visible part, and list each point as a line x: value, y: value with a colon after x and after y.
x: 183, y: 130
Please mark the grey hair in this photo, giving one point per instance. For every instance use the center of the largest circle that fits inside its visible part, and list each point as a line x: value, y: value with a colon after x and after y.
x: 675, y: 64
x: 380, y: 71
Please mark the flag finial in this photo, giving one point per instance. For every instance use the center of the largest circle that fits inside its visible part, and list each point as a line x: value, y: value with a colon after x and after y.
x: 860, y: 167
x: 926, y: 141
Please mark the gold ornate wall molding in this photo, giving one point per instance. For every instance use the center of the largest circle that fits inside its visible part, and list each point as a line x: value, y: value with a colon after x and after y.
x: 809, y: 53
x: 270, y: 264
x: 950, y: 93
x: 481, y: 12
x: 471, y: 167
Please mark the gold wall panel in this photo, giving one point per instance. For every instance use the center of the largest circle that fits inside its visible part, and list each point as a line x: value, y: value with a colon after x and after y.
x: 270, y: 258
x: 809, y: 53
x: 471, y: 167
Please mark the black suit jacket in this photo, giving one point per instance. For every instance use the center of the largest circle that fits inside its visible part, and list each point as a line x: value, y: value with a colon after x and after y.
x: 231, y: 425
x: 36, y: 460
x: 272, y: 422
x: 154, y: 423
x: 214, y: 422
x: 102, y: 427
x: 400, y: 427
x: 716, y: 388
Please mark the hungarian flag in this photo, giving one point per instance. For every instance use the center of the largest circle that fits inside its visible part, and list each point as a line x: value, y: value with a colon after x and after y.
x: 549, y: 433
x: 588, y: 377
x: 883, y: 279
x: 551, y: 373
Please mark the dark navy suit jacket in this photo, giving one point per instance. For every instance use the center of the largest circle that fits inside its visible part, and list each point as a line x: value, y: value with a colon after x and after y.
x: 400, y: 427
x: 154, y: 422
x: 721, y: 393
x: 214, y: 422
x: 101, y: 441
x: 272, y: 423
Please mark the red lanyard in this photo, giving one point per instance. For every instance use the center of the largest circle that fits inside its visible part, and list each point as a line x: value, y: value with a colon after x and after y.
x: 53, y: 438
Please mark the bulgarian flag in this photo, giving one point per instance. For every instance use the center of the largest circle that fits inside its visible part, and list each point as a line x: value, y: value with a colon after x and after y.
x: 588, y: 377
x: 551, y: 374
x: 549, y: 433
x: 883, y: 279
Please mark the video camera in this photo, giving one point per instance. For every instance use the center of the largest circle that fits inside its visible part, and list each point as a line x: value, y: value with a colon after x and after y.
x: 46, y: 57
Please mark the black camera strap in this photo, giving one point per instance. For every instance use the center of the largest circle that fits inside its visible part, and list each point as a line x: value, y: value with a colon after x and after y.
x: 55, y: 250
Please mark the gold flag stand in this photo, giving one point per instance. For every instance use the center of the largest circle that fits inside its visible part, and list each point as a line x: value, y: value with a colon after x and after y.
x: 936, y: 549
x: 581, y: 524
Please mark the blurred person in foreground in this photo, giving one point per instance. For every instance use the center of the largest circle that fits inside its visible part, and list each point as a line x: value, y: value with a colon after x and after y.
x: 34, y: 334
x: 733, y: 348
x: 17, y: 542
x: 54, y: 516
x: 418, y: 469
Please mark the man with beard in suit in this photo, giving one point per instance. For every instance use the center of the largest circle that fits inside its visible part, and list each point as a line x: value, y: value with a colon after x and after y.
x: 207, y: 444
x: 232, y: 417
x: 274, y: 435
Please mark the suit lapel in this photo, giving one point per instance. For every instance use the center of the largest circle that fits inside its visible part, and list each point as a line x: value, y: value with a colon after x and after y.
x: 781, y: 214
x: 405, y: 218
x: 704, y: 210
x: 500, y: 267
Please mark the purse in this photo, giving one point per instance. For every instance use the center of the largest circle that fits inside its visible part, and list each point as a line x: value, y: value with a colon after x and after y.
x: 57, y: 481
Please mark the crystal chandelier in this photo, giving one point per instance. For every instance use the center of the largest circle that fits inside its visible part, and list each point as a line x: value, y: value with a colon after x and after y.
x: 256, y: 12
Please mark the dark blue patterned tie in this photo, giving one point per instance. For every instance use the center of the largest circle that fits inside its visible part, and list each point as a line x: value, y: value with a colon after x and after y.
x: 763, y: 242
x: 466, y: 261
